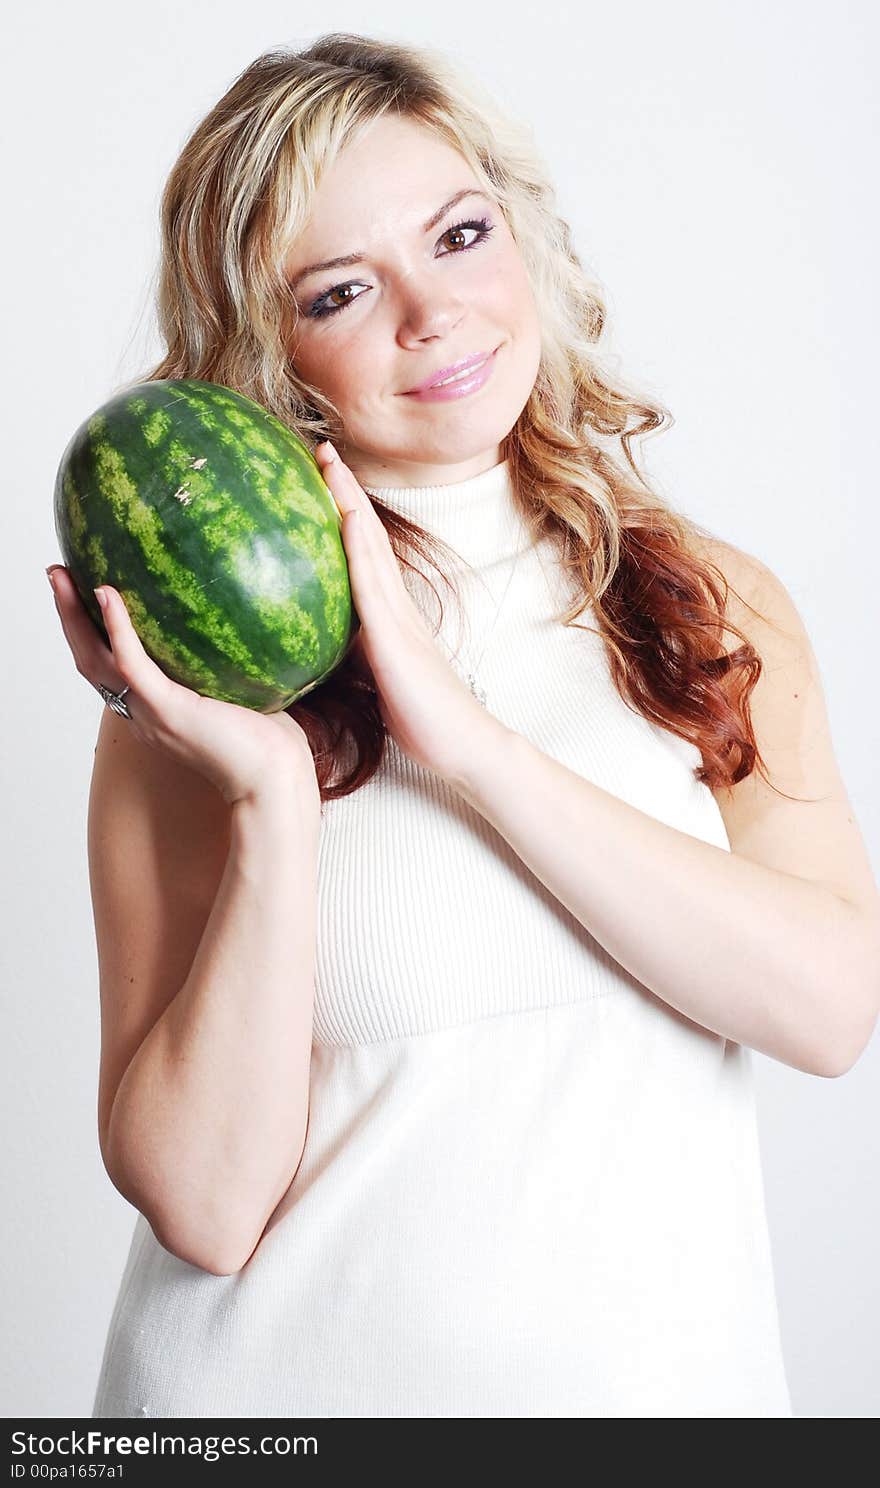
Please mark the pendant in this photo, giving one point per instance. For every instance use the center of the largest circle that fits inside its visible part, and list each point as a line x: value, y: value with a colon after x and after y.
x: 477, y: 691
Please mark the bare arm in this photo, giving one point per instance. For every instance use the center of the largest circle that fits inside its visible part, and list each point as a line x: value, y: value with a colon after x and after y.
x: 757, y: 955
x: 774, y: 944
x: 209, y: 1120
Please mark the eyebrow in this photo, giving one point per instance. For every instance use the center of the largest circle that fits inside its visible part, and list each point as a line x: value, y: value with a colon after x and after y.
x: 349, y: 259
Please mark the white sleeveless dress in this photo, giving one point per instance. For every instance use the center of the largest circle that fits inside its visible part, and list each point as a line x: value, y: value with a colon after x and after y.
x: 529, y: 1186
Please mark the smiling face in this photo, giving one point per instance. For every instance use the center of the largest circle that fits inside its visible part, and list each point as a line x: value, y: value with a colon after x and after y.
x: 418, y: 300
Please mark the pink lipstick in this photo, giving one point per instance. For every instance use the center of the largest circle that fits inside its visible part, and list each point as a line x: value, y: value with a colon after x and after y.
x: 464, y: 381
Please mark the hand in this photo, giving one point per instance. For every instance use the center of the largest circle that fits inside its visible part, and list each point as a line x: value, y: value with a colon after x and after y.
x: 427, y: 708
x: 237, y: 749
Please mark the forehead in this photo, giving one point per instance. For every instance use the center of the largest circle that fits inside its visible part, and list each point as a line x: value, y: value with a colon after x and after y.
x: 395, y: 173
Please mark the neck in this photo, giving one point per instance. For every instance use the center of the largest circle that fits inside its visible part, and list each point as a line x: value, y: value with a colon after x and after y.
x: 408, y: 474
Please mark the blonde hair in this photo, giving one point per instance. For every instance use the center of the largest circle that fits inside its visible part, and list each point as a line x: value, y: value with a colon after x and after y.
x: 240, y: 193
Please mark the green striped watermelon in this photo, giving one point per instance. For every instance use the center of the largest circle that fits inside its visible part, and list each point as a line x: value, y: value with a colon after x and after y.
x: 213, y: 521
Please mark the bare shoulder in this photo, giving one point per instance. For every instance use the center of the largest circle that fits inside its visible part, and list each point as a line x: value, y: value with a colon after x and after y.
x: 810, y: 830
x: 760, y: 605
x: 744, y: 573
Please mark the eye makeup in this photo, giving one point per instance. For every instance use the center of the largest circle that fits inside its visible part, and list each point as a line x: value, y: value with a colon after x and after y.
x: 321, y: 307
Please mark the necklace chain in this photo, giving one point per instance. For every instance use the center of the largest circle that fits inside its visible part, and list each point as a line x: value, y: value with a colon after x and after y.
x: 470, y: 675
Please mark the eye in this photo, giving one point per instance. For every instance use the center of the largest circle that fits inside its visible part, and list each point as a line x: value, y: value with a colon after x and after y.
x: 482, y: 227
x: 323, y: 305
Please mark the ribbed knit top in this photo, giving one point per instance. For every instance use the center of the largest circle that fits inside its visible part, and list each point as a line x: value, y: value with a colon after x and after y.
x: 529, y: 1186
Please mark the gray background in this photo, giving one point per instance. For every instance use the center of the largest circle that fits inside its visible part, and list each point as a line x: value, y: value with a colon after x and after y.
x: 713, y: 160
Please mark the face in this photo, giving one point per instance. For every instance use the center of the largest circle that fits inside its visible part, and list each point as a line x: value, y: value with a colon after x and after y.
x: 419, y: 300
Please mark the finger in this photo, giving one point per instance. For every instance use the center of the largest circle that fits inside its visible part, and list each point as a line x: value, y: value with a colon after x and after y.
x: 123, y: 662
x: 345, y: 488
x: 360, y: 566
x: 350, y: 496
x: 132, y: 662
x: 94, y: 658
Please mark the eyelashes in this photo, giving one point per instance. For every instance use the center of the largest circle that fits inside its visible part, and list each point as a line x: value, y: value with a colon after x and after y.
x: 321, y: 306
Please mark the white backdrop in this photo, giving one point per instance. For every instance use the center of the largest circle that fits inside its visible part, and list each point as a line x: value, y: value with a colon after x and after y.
x: 713, y: 160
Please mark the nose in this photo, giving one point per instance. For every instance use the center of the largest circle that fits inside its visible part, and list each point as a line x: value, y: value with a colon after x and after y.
x: 428, y: 313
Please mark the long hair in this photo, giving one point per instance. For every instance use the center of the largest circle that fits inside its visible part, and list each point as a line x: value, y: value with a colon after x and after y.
x: 236, y: 198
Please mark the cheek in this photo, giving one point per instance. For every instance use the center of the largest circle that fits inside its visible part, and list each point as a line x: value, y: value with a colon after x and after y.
x: 521, y: 290
x: 509, y: 290
x: 335, y: 364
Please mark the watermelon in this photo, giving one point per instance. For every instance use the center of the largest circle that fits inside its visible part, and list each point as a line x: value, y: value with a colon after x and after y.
x: 213, y: 521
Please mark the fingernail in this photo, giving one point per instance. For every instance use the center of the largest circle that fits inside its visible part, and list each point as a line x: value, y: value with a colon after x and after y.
x: 101, y: 597
x: 51, y: 579
x: 327, y: 449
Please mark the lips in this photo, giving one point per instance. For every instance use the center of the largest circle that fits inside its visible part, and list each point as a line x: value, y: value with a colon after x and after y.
x: 444, y: 372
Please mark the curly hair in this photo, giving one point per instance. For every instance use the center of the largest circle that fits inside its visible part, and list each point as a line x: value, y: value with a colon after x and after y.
x: 238, y: 195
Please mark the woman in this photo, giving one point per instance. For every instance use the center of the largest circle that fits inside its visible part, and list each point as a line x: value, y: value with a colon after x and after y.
x: 427, y: 1005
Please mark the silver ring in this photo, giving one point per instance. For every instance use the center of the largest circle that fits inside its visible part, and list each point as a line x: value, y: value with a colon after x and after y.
x: 114, y: 700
